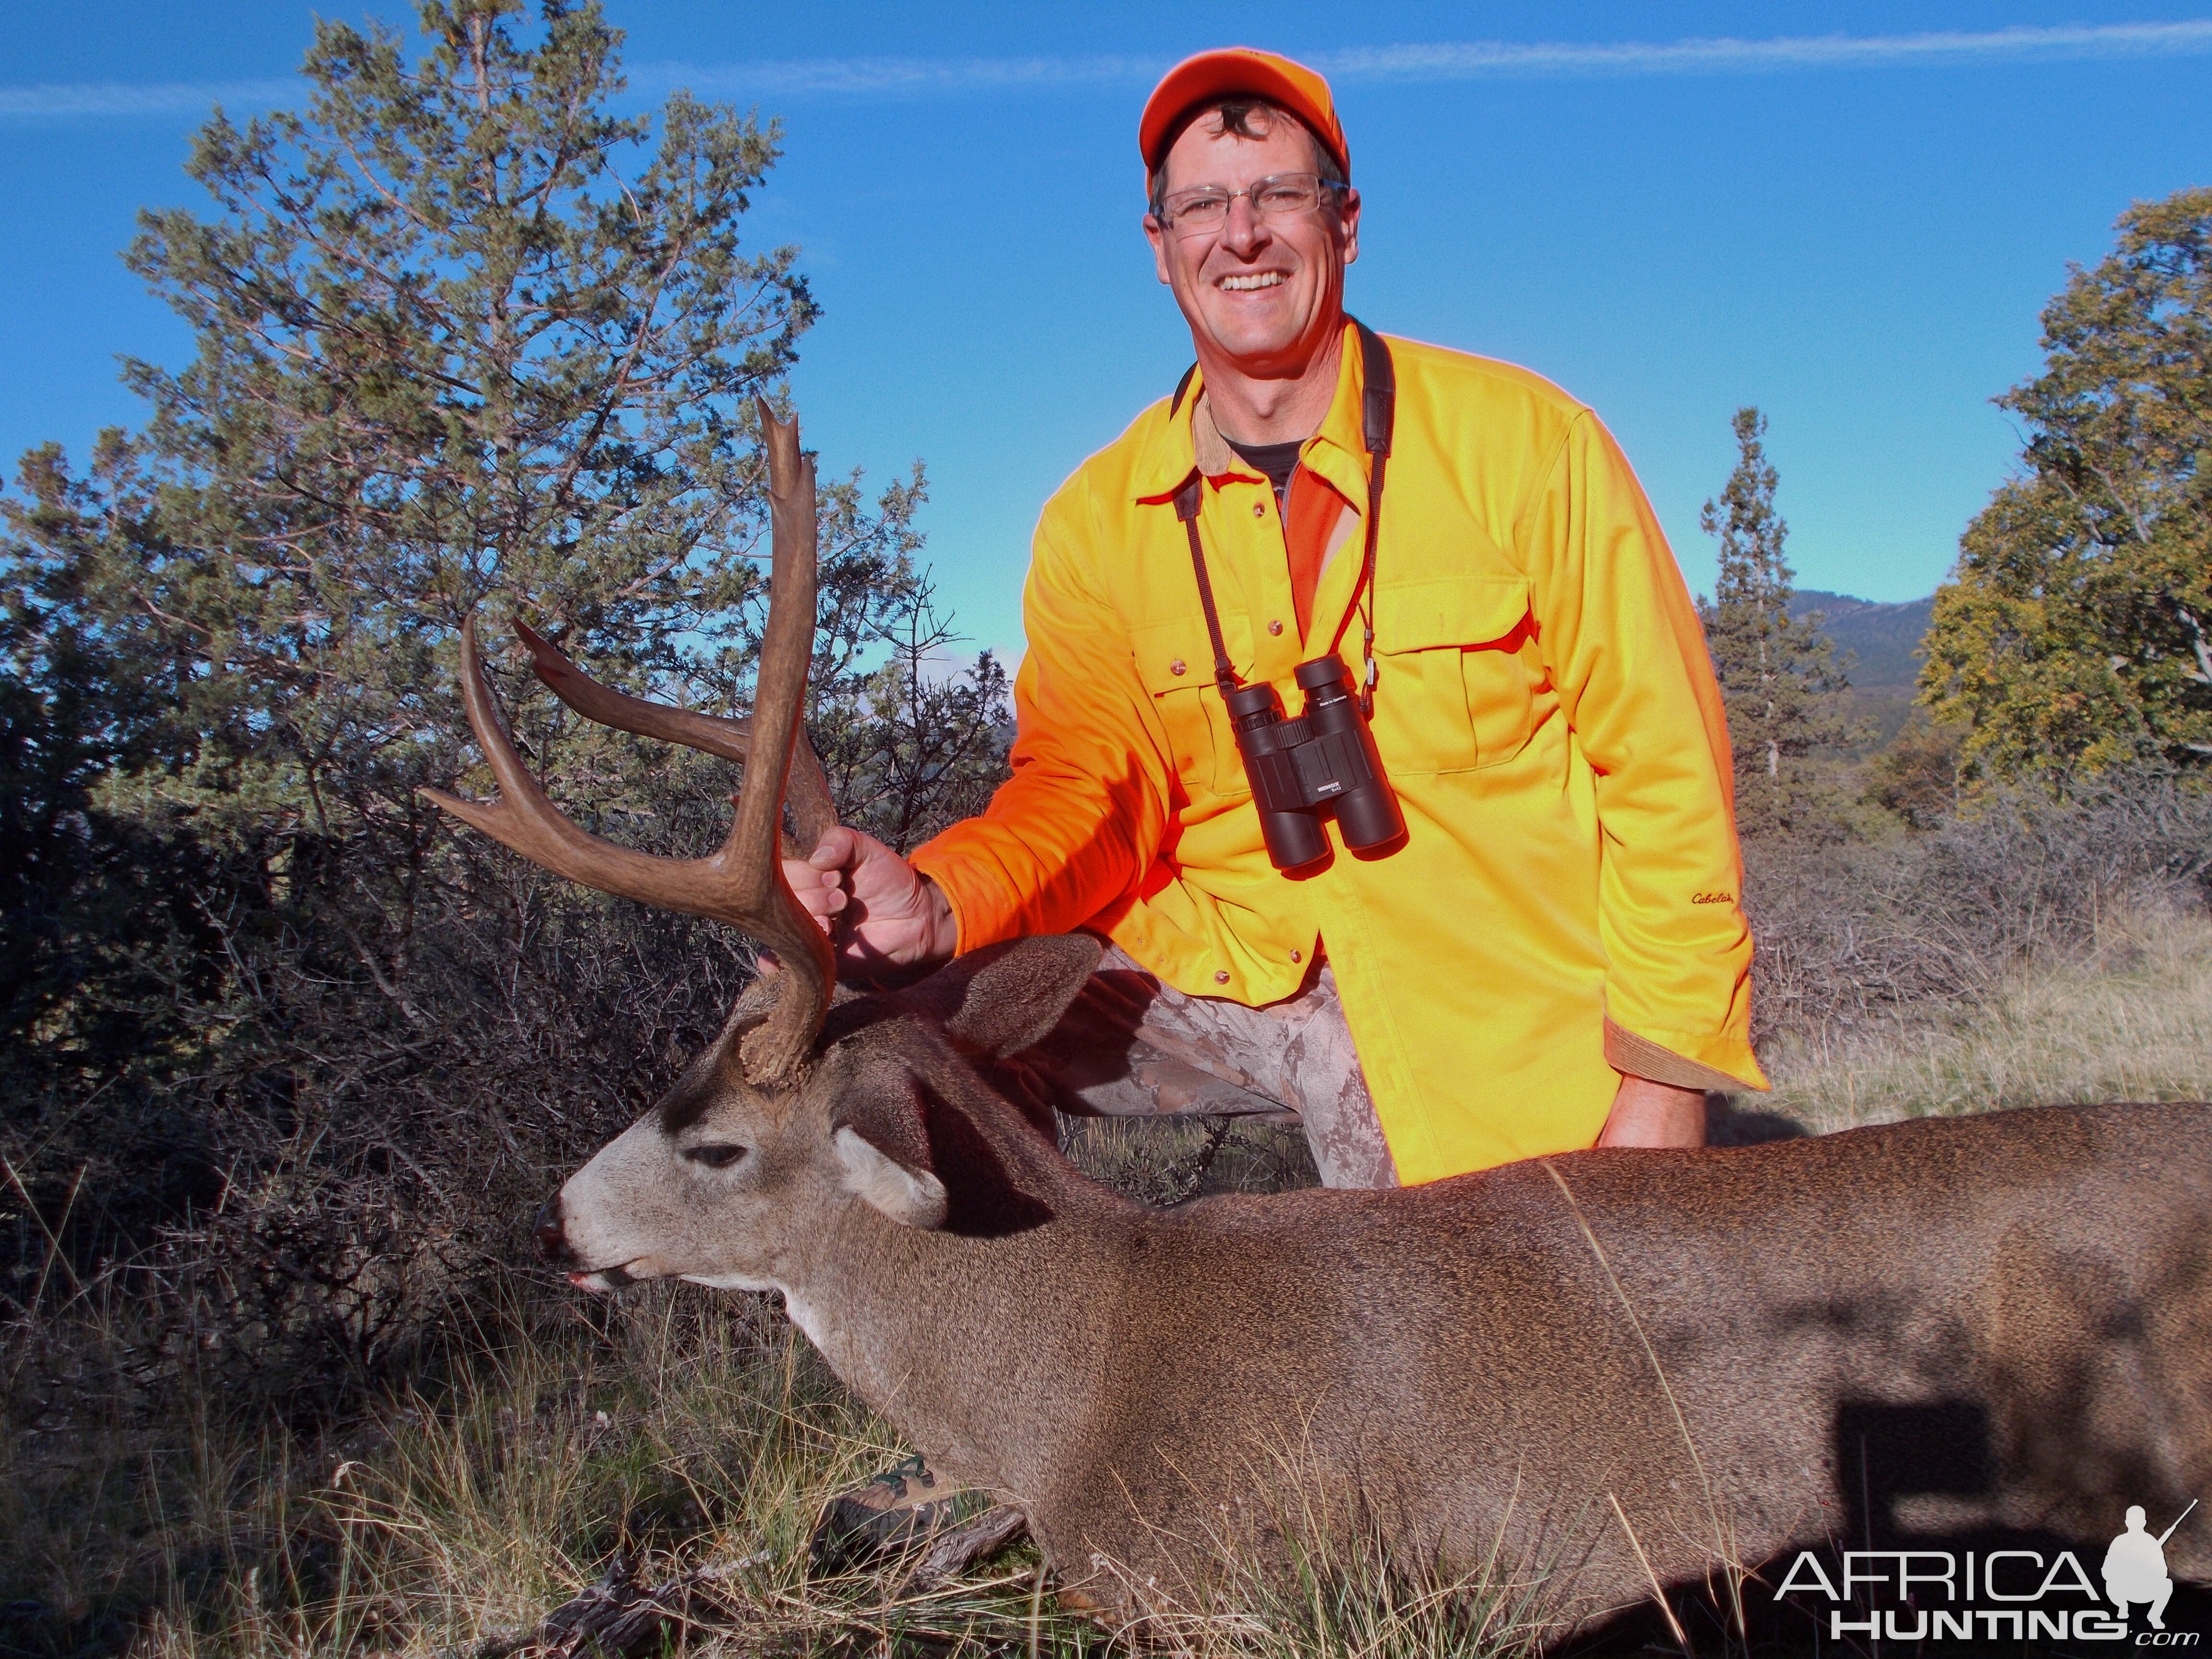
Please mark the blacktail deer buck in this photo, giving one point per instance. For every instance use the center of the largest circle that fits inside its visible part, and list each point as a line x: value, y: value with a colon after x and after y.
x: 1609, y: 1371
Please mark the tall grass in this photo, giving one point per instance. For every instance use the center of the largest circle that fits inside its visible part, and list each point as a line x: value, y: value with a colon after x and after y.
x: 2128, y: 1018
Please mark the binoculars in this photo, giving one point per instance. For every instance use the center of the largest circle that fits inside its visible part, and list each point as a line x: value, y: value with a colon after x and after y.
x: 1320, y: 765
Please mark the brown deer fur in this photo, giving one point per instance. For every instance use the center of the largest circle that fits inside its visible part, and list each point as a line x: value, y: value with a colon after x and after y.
x: 1477, y: 1369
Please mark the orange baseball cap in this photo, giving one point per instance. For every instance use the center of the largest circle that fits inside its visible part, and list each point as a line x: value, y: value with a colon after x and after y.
x: 1241, y: 69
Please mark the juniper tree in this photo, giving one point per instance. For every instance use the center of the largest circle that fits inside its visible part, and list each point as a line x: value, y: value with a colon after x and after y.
x: 2076, y: 634
x: 465, y: 337
x: 1779, y: 674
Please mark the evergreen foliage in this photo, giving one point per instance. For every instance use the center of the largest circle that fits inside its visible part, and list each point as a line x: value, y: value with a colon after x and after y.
x: 2076, y: 632
x: 464, y: 340
x: 1779, y: 678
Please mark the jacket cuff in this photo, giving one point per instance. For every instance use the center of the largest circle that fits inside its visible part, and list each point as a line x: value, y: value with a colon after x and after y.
x: 1640, y: 1056
x: 970, y: 930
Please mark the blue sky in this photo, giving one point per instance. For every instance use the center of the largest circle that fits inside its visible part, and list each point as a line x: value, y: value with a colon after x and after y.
x: 1849, y: 215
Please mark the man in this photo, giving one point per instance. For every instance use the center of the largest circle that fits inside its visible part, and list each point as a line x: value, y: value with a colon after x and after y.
x: 1553, y: 953
x: 2134, y: 1568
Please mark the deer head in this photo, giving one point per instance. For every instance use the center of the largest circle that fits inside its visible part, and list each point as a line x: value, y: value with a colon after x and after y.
x: 810, y: 1101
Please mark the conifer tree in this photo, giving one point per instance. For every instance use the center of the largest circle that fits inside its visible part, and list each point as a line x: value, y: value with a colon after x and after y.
x: 1779, y: 673
x: 472, y: 331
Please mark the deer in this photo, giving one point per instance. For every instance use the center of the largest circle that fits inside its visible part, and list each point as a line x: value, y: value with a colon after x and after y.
x: 1616, y: 1371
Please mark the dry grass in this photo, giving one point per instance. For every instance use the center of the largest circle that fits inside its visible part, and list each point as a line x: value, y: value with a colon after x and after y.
x: 695, y: 1429
x: 2131, y: 1021
x: 689, y: 1428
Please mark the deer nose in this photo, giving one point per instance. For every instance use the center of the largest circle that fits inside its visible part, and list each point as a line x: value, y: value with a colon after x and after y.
x: 552, y: 1237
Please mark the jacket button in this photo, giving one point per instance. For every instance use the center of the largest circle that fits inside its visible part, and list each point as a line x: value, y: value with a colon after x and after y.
x: 1275, y: 627
x: 1297, y: 955
x: 1176, y: 666
x: 1259, y: 509
x: 1221, y: 976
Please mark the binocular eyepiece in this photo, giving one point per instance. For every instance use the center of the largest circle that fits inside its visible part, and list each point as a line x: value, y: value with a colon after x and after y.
x: 1319, y: 765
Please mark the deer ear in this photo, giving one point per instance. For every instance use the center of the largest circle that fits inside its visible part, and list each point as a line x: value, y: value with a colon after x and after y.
x: 883, y: 1142
x: 913, y: 1198
x: 1005, y: 997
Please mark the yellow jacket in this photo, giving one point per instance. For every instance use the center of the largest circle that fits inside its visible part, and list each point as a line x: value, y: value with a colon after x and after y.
x: 1565, y: 905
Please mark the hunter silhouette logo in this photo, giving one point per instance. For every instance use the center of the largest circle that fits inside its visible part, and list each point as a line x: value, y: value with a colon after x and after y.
x: 2134, y: 1566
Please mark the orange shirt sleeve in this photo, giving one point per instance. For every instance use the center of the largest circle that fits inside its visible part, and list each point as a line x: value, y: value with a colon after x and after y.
x: 1626, y: 654
x: 1085, y: 810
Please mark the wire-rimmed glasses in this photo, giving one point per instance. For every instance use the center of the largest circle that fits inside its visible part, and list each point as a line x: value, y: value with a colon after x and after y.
x: 1204, y: 210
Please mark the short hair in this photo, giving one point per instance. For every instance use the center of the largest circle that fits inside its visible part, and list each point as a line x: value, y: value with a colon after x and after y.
x: 1235, y: 112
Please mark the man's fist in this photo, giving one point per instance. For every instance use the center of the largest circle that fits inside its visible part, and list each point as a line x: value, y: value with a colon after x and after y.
x: 895, y: 921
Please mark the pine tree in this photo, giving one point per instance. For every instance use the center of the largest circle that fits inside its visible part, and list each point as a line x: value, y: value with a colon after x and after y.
x: 471, y: 331
x: 1779, y: 673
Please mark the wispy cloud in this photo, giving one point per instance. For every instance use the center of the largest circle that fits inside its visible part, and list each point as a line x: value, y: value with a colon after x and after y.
x: 73, y: 99
x: 896, y: 76
x: 1485, y: 58
x: 1467, y: 60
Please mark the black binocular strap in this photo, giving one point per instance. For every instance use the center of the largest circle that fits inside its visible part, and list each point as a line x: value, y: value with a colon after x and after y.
x: 1378, y: 419
x: 1186, y: 505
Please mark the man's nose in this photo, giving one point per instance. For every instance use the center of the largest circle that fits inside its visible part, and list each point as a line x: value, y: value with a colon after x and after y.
x: 1245, y: 230
x: 552, y: 1235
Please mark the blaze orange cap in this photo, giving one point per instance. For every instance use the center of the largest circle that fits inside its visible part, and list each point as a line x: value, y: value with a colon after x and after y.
x: 1241, y: 69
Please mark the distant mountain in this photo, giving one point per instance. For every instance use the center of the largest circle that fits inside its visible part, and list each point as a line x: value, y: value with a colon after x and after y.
x: 1883, y: 636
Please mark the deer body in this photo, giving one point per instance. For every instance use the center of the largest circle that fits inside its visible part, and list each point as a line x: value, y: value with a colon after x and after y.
x: 1587, y: 1373
x: 1455, y: 1366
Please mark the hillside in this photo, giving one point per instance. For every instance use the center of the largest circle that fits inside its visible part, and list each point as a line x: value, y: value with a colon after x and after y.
x: 1883, y: 637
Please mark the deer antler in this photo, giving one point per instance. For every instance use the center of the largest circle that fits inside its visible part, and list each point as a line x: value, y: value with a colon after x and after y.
x: 805, y: 792
x: 742, y: 883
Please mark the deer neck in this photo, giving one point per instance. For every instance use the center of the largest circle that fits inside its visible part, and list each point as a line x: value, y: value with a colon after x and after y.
x: 953, y: 1335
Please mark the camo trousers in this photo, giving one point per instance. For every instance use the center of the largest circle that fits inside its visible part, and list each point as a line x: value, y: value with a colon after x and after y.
x: 1132, y: 1047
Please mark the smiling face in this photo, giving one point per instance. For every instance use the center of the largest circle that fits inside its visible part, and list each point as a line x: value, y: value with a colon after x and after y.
x: 1264, y: 295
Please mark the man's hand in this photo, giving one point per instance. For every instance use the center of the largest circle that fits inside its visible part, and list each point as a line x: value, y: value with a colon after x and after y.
x: 896, y: 921
x: 1647, y: 1114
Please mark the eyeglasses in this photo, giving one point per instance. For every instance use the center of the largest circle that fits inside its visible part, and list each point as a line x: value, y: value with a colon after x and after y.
x: 1204, y: 210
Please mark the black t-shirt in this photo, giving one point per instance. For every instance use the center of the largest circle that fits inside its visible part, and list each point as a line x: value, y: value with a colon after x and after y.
x: 1277, y: 461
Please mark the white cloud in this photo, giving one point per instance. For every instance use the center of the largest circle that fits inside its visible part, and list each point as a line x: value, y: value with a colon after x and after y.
x: 1488, y: 59
x: 1469, y: 60
x: 919, y: 77
x: 65, y: 101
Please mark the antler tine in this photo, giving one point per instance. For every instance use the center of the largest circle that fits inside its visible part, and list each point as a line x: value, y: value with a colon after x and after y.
x: 806, y: 792
x: 742, y: 883
x: 780, y: 1043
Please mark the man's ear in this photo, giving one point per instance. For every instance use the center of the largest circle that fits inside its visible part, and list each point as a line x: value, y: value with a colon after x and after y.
x: 883, y: 1142
x: 1005, y: 997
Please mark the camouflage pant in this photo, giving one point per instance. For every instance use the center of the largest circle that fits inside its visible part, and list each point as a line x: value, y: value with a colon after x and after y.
x: 1131, y: 1047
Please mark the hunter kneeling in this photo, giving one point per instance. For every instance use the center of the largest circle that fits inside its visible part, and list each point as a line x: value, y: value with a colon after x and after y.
x: 1365, y: 713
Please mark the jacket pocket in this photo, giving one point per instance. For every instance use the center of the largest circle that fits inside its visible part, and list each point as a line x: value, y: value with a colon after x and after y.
x: 1453, y: 693
x: 1175, y: 663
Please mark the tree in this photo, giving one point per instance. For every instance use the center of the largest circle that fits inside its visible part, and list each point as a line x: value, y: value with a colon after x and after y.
x: 2075, y: 634
x: 1779, y: 674
x: 465, y: 340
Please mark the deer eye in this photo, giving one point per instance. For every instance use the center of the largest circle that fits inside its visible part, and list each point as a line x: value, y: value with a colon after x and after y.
x: 719, y: 1155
